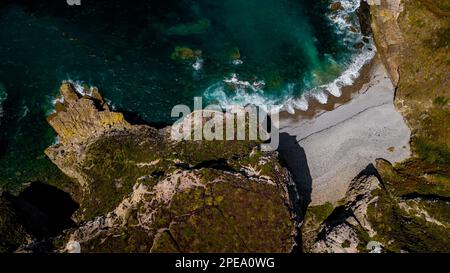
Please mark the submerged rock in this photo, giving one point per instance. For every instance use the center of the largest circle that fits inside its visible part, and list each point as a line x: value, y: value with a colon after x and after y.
x: 181, y: 53
x: 144, y: 192
x: 336, y: 6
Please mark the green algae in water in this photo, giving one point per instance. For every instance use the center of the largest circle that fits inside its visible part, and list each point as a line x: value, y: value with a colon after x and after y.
x: 126, y: 50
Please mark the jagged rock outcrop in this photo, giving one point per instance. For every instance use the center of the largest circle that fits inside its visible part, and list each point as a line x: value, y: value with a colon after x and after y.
x: 144, y: 192
x: 378, y: 214
x: 341, y: 231
x: 78, y: 118
x: 412, y: 41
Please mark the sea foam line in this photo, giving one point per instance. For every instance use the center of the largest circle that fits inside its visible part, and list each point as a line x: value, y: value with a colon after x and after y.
x: 289, y: 103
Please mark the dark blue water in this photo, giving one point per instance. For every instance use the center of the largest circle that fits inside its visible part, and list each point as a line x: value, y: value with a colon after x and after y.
x: 147, y: 56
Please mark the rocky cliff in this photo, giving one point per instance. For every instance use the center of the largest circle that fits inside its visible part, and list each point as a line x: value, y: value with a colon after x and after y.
x: 387, y: 32
x: 401, y: 208
x: 143, y: 192
x: 140, y: 191
x: 379, y: 215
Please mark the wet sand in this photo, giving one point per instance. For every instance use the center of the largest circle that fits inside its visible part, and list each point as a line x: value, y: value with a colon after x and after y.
x: 342, y: 137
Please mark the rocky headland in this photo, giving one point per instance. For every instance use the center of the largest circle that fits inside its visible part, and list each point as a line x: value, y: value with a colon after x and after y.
x: 140, y: 191
x: 372, y: 175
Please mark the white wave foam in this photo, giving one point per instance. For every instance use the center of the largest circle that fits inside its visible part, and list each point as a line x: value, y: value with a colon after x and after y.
x: 198, y: 64
x: 79, y: 86
x: 300, y: 103
x: 320, y: 96
x: 237, y: 62
x: 346, y: 25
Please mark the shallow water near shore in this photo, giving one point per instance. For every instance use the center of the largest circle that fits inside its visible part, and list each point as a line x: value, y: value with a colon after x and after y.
x: 146, y: 57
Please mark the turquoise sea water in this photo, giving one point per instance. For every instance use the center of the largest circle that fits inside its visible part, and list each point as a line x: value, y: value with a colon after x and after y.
x: 147, y: 56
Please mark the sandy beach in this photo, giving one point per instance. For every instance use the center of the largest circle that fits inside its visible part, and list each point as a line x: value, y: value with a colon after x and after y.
x: 326, y: 148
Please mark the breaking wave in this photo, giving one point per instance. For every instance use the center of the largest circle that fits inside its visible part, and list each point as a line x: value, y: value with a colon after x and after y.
x: 345, y: 24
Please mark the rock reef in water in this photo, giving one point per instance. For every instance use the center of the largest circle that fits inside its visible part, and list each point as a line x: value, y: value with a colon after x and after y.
x: 143, y: 192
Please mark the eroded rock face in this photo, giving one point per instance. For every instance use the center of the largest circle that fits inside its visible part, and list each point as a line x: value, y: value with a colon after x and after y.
x: 401, y: 208
x: 378, y: 214
x: 143, y: 192
x: 78, y: 118
x: 387, y: 33
x: 341, y: 230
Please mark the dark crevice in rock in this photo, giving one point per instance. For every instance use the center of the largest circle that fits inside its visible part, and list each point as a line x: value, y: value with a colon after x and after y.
x: 172, y: 238
x: 158, y: 174
x: 426, y: 197
x: 371, y: 170
x: 365, y: 19
x: 337, y: 217
x: 293, y: 158
x: 219, y: 164
x: 136, y: 119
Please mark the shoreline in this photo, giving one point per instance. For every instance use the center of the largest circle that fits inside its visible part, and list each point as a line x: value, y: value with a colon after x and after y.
x: 340, y: 138
x: 315, y: 108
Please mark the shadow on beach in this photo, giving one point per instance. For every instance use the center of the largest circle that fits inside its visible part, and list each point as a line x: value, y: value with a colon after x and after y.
x: 293, y: 157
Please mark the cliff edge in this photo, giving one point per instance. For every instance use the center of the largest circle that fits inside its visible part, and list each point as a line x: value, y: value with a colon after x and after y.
x: 400, y: 208
x: 143, y: 192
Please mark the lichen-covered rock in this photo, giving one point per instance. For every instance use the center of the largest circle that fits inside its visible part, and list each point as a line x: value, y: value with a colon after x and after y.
x: 387, y: 33
x: 78, y: 118
x: 144, y: 192
x: 341, y: 228
x: 376, y: 215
